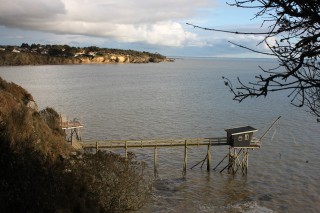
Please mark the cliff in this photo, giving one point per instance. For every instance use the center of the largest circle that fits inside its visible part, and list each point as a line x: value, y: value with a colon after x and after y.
x: 118, y: 58
x: 9, y: 58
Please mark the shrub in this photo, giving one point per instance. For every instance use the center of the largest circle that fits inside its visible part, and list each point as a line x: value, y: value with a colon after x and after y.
x: 52, y: 119
x: 39, y: 174
x: 117, y: 184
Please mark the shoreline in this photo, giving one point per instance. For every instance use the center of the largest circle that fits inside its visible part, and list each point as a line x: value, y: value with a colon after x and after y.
x: 83, y: 63
x: 61, y: 55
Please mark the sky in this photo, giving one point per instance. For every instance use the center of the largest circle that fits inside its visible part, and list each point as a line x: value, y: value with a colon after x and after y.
x: 144, y: 25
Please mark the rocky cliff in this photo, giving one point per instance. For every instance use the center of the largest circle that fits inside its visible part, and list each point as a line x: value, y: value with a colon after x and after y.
x: 15, y: 59
x: 113, y: 58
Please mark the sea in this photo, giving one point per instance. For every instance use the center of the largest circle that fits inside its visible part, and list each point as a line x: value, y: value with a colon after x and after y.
x: 188, y: 99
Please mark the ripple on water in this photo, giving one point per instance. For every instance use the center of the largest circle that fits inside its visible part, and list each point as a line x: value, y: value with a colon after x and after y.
x: 188, y: 99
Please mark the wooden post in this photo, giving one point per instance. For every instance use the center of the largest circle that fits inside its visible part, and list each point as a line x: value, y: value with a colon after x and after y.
x: 230, y: 159
x: 97, y: 146
x: 126, y: 147
x: 185, y: 158
x: 234, y: 161
x: 208, y: 158
x: 71, y: 133
x: 155, y: 171
x: 247, y: 161
x: 78, y: 134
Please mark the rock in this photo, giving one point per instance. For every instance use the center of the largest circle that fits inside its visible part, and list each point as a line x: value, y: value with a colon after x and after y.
x: 113, y: 58
x: 121, y: 59
x: 33, y: 105
x: 85, y: 60
x: 98, y: 59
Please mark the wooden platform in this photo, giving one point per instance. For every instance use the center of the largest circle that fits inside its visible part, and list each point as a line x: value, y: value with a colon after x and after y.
x: 71, y: 125
x: 76, y: 145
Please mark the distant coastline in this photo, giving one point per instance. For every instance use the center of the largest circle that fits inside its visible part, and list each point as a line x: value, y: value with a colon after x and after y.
x: 37, y: 54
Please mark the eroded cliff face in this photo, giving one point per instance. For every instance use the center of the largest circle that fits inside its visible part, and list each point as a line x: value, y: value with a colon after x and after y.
x: 15, y: 59
x: 113, y: 58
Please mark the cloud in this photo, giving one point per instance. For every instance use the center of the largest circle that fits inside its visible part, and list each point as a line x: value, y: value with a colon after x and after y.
x: 21, y: 13
x: 155, y: 22
x: 157, y: 25
x: 220, y: 42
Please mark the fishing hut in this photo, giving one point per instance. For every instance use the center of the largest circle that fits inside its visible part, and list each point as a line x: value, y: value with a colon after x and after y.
x: 240, y: 140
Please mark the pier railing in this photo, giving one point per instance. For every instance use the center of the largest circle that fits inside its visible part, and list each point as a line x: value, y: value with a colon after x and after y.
x: 100, y: 144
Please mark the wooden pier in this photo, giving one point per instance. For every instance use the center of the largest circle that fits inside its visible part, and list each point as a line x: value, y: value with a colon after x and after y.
x: 240, y: 140
x: 165, y: 143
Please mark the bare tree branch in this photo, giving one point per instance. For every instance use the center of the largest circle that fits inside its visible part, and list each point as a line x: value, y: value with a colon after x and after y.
x: 252, y: 50
x: 228, y: 31
x: 295, y: 24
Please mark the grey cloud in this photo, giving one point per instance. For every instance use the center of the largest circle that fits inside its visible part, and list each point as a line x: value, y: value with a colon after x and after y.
x: 153, y: 22
x: 23, y: 13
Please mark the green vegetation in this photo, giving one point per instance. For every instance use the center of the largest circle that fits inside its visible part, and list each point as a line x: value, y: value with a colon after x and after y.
x: 14, y: 59
x: 40, y: 172
x: 37, y: 54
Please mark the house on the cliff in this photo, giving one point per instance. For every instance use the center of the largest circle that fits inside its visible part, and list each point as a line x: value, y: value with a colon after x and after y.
x: 92, y: 53
x: 80, y: 53
x: 16, y: 50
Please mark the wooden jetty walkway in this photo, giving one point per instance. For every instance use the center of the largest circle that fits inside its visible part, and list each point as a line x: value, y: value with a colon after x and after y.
x: 185, y: 142
x: 154, y: 143
x: 240, y: 140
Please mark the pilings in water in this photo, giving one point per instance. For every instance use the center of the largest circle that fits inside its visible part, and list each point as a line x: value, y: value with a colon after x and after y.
x: 208, y: 158
x: 238, y: 139
x: 155, y: 161
x: 185, y: 158
x: 126, y: 149
x: 237, y: 157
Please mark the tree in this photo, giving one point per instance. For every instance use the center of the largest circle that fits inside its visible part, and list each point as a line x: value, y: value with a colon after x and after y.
x: 35, y: 46
x: 25, y: 45
x: 295, y: 27
x: 93, y: 49
x: 55, y: 51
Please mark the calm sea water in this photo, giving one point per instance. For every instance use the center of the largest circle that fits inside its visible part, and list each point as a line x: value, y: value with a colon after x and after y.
x: 185, y: 99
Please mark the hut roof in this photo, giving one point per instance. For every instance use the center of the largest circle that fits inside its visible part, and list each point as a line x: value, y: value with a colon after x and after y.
x: 241, y: 130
